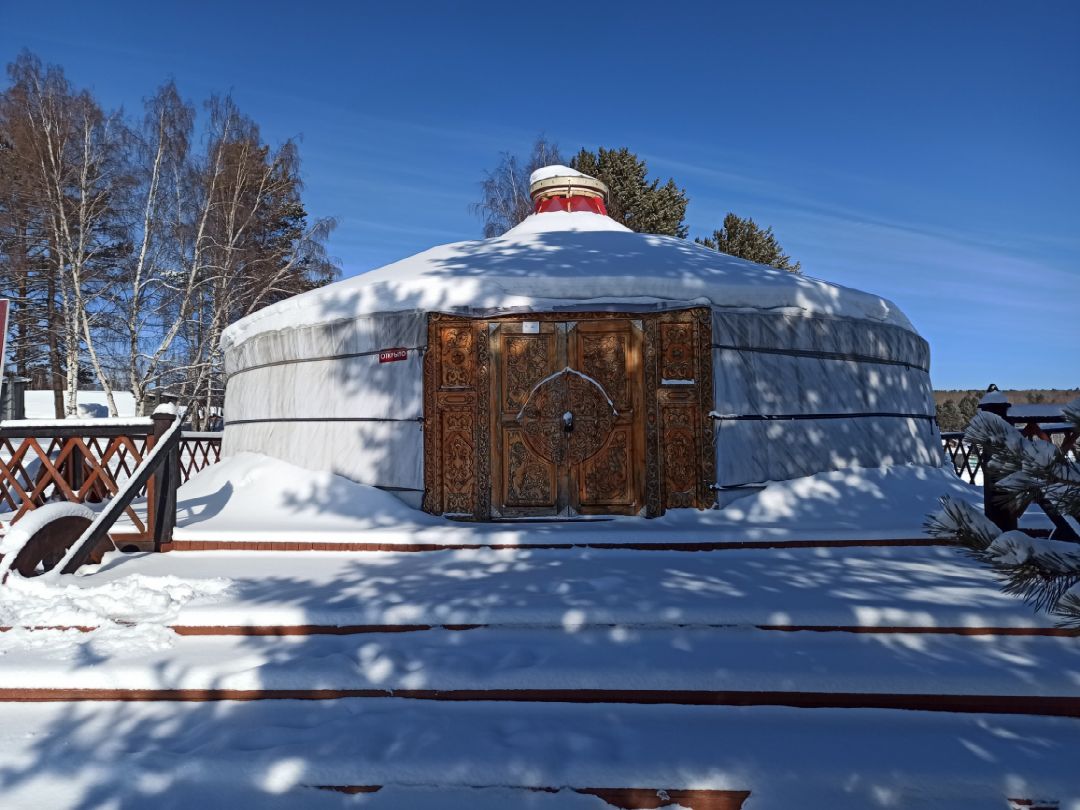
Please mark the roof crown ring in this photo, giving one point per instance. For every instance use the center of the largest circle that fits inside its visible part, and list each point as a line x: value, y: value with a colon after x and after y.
x: 560, y: 188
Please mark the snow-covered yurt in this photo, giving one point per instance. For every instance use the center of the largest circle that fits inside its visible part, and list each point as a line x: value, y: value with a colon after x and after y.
x: 574, y: 367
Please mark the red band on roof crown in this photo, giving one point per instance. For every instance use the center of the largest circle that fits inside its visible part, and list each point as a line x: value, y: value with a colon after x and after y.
x: 574, y: 202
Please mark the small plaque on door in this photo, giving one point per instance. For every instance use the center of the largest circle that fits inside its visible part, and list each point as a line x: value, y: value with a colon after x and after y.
x: 530, y: 327
x: 393, y: 355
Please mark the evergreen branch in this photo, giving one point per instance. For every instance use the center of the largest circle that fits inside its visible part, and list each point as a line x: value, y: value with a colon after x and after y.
x: 959, y: 520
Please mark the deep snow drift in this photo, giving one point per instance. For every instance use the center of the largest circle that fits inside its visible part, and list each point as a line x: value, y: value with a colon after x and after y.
x: 254, y: 497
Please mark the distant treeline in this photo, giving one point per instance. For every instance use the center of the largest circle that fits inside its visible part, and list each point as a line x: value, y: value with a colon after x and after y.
x: 955, y: 408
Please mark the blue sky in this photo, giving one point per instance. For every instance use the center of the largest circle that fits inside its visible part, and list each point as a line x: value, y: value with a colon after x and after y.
x: 925, y: 151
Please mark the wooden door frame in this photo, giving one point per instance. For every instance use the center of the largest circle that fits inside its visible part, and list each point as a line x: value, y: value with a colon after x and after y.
x: 680, y: 460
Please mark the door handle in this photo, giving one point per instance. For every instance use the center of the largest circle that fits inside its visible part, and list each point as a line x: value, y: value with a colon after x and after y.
x: 568, y: 421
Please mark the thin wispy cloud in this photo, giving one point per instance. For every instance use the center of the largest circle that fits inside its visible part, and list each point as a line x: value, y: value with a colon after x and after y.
x: 725, y: 183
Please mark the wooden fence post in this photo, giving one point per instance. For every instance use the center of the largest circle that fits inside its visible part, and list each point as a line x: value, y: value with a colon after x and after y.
x: 76, y: 471
x: 161, y: 494
x: 995, y: 402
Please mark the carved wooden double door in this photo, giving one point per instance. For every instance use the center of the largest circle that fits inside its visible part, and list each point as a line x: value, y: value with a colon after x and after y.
x: 567, y: 418
x: 559, y: 415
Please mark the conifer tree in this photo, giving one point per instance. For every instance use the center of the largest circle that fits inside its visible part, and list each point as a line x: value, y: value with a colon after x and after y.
x: 640, y: 204
x: 747, y: 240
x: 948, y: 417
x: 968, y: 407
x: 1044, y: 572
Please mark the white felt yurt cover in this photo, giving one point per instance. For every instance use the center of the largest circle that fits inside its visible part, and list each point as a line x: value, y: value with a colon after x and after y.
x: 809, y: 376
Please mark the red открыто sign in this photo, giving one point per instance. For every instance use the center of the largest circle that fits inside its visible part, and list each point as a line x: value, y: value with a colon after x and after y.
x: 393, y: 355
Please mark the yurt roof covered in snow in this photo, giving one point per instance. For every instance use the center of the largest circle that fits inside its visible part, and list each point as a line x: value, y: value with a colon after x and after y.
x: 772, y: 374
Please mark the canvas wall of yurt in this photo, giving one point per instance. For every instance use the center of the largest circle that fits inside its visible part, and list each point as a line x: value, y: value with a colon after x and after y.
x: 573, y: 367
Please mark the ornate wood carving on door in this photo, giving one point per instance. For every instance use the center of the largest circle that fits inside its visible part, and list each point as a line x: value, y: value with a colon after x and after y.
x: 610, y: 477
x: 455, y: 446
x: 567, y: 417
x: 681, y: 360
x: 526, y: 424
x: 603, y: 414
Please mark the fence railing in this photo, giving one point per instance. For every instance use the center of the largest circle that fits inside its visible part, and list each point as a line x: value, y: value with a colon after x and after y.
x: 968, y: 462
x: 88, y: 461
x: 198, y: 450
x: 965, y: 457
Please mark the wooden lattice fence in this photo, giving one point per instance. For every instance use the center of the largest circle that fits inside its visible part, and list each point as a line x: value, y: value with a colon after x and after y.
x: 197, y: 452
x: 43, y: 461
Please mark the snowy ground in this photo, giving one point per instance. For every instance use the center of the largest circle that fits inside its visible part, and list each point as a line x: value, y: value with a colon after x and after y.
x: 91, y: 404
x: 250, y: 496
x: 557, y: 619
x: 923, y: 587
x: 552, y: 619
x: 614, y: 658
x: 261, y: 754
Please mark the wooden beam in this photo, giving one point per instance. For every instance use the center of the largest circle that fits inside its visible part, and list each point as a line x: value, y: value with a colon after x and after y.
x: 1049, y: 706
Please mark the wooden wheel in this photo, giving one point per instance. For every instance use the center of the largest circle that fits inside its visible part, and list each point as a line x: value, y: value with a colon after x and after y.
x: 47, y: 547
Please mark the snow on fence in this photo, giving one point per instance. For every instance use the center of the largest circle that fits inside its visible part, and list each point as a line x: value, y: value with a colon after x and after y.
x: 88, y: 461
x: 1044, y: 422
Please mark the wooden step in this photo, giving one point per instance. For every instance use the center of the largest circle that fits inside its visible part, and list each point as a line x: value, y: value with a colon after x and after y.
x: 802, y: 588
x: 281, y: 631
x: 660, y: 545
x: 682, y: 660
x: 1052, y: 706
x: 625, y: 798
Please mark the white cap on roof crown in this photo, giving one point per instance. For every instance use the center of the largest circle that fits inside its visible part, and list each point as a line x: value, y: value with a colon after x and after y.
x: 555, y: 171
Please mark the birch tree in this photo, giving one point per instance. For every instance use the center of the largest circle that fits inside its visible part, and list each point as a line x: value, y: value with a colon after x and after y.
x: 130, y: 248
x: 505, y: 199
x: 71, y: 151
x: 154, y: 291
x: 253, y: 242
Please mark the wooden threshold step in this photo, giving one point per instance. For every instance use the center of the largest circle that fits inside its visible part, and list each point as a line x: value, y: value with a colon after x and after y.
x: 634, y: 798
x: 282, y: 630
x: 1050, y: 706
x: 726, y: 545
x: 683, y: 664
